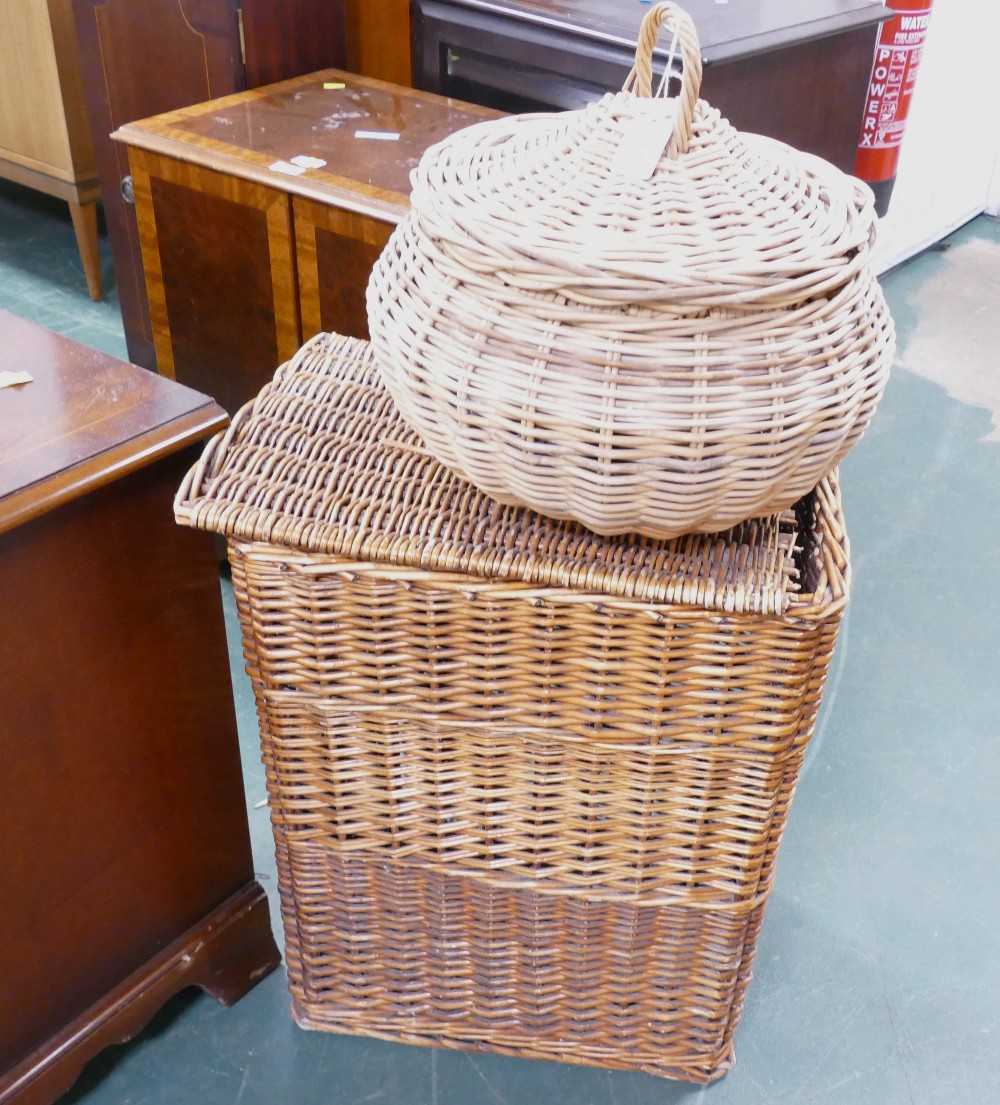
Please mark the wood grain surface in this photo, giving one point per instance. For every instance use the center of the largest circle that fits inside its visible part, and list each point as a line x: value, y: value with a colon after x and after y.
x: 286, y: 38
x: 378, y: 39
x: 84, y: 419
x: 41, y: 121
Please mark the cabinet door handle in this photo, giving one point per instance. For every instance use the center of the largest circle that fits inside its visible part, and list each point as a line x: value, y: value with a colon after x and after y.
x: 128, y: 191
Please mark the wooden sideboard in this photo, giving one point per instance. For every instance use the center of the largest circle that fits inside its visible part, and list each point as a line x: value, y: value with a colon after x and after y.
x: 44, y: 139
x: 243, y: 261
x: 126, y: 873
x: 795, y: 70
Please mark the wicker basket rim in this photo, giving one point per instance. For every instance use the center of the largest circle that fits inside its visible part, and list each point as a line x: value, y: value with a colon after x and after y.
x: 321, y: 462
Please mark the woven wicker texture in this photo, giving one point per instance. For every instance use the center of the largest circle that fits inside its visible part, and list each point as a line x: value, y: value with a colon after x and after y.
x: 527, y: 784
x: 301, y: 467
x: 662, y: 355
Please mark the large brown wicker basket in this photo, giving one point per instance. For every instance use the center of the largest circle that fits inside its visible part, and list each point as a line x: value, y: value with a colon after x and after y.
x: 662, y: 353
x: 527, y: 784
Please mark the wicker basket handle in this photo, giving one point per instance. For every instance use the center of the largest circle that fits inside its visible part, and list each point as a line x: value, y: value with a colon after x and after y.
x: 640, y: 80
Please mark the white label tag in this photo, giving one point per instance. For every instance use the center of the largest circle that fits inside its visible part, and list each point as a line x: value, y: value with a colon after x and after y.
x: 304, y: 161
x: 644, y: 138
x: 287, y: 168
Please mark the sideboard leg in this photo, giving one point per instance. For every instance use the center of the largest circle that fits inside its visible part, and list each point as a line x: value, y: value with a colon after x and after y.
x: 84, y: 217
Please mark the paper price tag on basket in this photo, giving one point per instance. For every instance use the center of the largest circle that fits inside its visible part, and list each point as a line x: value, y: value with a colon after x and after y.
x: 644, y: 138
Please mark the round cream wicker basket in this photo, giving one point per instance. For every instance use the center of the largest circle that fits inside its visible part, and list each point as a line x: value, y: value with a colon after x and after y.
x: 633, y: 315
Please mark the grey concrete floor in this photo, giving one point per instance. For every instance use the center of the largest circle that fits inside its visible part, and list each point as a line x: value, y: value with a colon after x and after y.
x: 877, y: 971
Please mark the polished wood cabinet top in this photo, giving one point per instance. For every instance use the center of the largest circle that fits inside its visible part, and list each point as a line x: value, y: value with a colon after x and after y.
x: 84, y: 419
x: 370, y: 134
x: 726, y: 29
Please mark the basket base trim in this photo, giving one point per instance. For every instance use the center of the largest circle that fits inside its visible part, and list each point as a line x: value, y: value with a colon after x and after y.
x: 695, y: 1069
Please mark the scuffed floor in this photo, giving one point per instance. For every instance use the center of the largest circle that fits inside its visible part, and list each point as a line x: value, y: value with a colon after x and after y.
x: 877, y: 974
x: 966, y: 287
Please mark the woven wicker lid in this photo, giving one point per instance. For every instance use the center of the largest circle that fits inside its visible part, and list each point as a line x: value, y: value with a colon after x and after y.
x: 719, y: 216
x: 322, y: 462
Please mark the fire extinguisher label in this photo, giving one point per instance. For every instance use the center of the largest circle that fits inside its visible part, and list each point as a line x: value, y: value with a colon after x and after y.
x: 894, y: 71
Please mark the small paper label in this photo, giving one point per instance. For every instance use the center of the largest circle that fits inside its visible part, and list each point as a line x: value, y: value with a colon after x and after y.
x: 328, y: 85
x: 304, y: 161
x: 287, y: 167
x: 12, y: 379
x: 644, y: 138
x: 384, y: 135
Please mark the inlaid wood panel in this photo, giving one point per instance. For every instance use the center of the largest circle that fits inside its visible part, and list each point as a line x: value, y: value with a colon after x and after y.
x: 324, y: 115
x: 144, y: 57
x: 196, y: 44
x: 335, y: 252
x: 218, y: 257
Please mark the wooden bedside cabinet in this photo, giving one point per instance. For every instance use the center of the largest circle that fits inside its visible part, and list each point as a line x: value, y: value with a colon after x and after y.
x: 243, y: 260
x: 125, y: 865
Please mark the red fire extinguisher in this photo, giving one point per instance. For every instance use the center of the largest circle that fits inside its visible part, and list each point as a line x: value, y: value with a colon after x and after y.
x: 890, y: 89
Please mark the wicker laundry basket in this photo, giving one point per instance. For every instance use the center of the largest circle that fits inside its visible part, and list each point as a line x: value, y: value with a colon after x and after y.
x: 658, y: 348
x: 527, y: 784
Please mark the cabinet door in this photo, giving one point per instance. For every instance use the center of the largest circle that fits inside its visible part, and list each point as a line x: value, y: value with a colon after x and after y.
x: 219, y: 271
x: 140, y: 59
x: 335, y: 252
